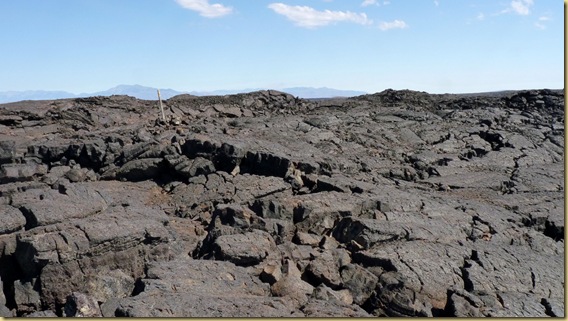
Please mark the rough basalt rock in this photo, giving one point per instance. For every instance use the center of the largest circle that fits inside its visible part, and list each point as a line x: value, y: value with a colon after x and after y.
x: 399, y: 203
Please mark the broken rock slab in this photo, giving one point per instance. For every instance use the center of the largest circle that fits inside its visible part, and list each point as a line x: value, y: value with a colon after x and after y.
x: 245, y: 249
x: 200, y: 288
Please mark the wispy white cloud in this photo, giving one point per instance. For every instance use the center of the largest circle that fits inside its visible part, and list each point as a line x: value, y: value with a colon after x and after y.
x: 206, y: 9
x: 369, y: 3
x: 541, y: 22
x: 520, y: 7
x: 396, y: 24
x: 308, y: 17
x: 480, y: 16
x: 436, y: 3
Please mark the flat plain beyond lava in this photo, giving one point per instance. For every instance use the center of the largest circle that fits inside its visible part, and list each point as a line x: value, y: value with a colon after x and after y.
x: 399, y: 203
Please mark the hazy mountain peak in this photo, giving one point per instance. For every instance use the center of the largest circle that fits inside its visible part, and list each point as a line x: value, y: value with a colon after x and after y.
x: 149, y: 93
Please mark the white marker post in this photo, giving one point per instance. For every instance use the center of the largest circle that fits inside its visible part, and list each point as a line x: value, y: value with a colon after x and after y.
x: 161, y: 107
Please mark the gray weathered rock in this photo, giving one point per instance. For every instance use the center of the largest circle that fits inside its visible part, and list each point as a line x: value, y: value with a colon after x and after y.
x: 359, y: 281
x: 7, y: 151
x: 326, y: 309
x: 81, y: 305
x: 190, y: 167
x: 246, y: 249
x: 27, y: 296
x: 45, y: 207
x: 191, y: 305
x: 326, y: 266
x: 325, y: 293
x: 21, y: 172
x: 42, y: 314
x: 398, y: 203
x: 292, y: 286
x: 12, y: 220
x: 197, y: 288
x: 141, y: 169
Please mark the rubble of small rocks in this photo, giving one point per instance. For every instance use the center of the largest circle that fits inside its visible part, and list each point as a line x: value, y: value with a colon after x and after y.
x: 399, y: 203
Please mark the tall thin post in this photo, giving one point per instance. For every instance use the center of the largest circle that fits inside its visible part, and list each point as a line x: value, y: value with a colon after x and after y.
x: 161, y: 107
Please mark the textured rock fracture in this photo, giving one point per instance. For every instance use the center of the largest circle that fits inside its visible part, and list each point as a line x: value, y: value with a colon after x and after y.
x: 399, y: 203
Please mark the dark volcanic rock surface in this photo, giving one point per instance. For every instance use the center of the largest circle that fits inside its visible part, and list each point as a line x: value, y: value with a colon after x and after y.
x: 398, y: 203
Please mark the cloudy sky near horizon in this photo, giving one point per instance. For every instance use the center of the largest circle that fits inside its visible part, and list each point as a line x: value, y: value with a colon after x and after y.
x: 436, y: 46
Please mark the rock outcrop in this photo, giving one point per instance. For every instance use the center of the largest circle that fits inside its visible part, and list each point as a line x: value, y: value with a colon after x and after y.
x: 399, y: 203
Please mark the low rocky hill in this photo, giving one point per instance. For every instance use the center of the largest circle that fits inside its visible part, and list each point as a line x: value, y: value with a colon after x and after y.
x: 399, y: 203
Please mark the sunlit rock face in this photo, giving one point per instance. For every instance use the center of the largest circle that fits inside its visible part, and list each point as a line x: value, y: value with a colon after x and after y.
x: 399, y: 203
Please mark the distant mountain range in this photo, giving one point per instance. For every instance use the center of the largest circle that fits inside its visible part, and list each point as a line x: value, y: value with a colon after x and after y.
x: 149, y: 93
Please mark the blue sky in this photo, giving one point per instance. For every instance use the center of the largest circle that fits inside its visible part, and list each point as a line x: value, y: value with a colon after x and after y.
x: 370, y: 45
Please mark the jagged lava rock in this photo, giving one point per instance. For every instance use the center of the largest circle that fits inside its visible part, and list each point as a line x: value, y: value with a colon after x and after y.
x: 399, y: 203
